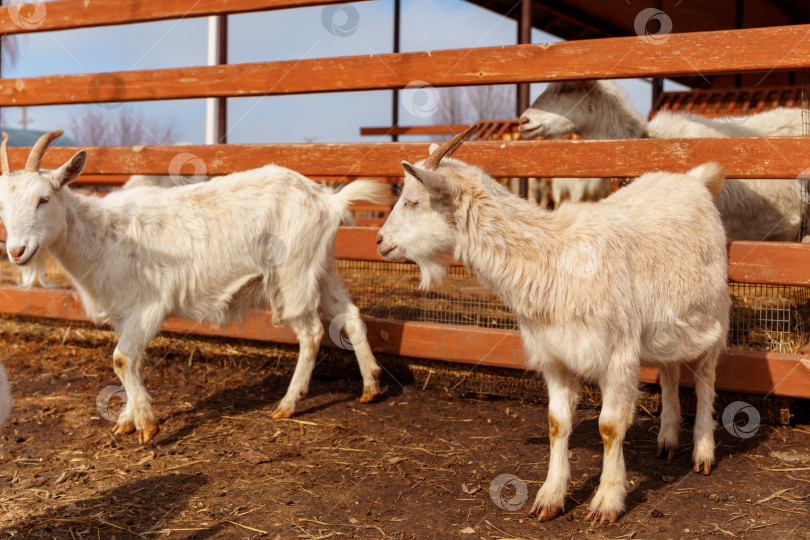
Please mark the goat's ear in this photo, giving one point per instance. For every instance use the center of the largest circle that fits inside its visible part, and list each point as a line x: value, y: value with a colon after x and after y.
x: 433, y: 147
x: 432, y: 180
x: 70, y: 171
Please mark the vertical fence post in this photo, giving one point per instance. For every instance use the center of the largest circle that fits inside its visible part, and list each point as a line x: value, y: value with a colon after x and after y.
x: 395, y: 91
x: 216, y: 112
x: 524, y: 36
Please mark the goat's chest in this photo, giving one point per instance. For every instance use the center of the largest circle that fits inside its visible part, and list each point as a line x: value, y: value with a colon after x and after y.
x: 581, y: 349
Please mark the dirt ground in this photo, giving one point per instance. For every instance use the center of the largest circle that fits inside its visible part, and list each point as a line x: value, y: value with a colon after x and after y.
x: 421, y: 463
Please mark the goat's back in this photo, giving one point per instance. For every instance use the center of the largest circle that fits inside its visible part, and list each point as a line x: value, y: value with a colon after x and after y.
x: 213, y: 249
x: 658, y: 255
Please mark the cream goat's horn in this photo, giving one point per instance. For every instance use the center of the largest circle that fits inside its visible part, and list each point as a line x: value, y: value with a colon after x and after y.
x: 4, y: 156
x: 35, y: 157
x: 447, y: 149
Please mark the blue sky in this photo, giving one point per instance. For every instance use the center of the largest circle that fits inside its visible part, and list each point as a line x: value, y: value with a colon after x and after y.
x: 269, y: 36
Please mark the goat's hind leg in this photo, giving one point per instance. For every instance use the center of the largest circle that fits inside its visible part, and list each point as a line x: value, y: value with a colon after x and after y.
x: 670, y: 411
x: 309, y: 331
x: 619, y: 390
x: 345, y: 316
x: 703, y: 452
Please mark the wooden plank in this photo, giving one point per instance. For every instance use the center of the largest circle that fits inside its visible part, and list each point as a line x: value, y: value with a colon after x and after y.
x: 66, y: 14
x: 774, y: 374
x: 705, y: 53
x: 773, y: 263
x: 747, y: 157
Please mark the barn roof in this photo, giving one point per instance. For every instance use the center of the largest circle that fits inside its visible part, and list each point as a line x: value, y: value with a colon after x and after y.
x: 590, y: 19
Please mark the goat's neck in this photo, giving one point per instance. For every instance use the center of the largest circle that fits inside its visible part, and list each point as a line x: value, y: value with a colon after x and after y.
x: 509, y: 244
x: 616, y: 121
x: 81, y: 246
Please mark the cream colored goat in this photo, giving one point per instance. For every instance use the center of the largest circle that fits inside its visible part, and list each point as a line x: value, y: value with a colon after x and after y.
x: 210, y: 251
x: 598, y: 289
x: 751, y: 209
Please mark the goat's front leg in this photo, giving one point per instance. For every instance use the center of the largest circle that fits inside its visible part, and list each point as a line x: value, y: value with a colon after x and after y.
x: 619, y: 389
x: 339, y: 307
x: 127, y: 362
x: 563, y: 394
x: 309, y: 331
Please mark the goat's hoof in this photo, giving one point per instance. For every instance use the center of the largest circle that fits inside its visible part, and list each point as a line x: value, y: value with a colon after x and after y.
x: 671, y: 451
x: 545, y: 513
x: 282, y: 414
x: 369, y: 397
x: 706, y: 467
x: 603, y: 516
x: 147, y: 433
x: 123, y: 427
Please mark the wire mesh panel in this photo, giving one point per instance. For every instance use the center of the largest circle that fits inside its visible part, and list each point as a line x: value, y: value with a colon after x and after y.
x: 772, y: 318
x: 391, y: 291
x: 769, y: 317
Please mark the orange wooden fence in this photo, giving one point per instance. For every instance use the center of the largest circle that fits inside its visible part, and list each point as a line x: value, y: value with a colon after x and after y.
x: 754, y: 50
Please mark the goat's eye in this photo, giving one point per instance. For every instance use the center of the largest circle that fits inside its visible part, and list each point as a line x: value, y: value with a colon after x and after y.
x: 411, y: 204
x: 566, y: 88
x: 43, y: 200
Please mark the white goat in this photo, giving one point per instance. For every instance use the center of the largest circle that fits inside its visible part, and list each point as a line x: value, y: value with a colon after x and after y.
x: 214, y: 251
x: 751, y: 209
x: 149, y: 180
x: 598, y: 289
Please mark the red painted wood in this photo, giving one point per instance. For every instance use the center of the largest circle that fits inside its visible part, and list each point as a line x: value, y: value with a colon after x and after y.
x: 775, y: 157
x: 772, y: 263
x: 66, y: 14
x: 778, y: 48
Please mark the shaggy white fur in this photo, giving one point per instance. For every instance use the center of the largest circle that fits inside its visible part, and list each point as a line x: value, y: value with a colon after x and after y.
x: 666, y: 302
x: 751, y: 209
x: 211, y: 251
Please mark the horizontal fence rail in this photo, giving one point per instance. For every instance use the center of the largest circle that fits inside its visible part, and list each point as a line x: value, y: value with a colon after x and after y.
x: 740, y: 371
x: 68, y: 14
x: 703, y: 53
x: 770, y: 263
x: 746, y: 157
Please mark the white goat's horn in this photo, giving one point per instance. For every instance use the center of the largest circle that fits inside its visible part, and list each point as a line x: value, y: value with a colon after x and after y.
x: 35, y: 157
x: 6, y: 170
x: 447, y: 149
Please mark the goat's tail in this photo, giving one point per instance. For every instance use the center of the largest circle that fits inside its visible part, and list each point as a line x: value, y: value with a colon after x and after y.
x: 360, y: 190
x: 711, y: 174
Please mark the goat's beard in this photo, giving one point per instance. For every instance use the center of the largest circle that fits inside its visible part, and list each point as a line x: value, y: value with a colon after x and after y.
x: 433, y: 272
x: 35, y: 271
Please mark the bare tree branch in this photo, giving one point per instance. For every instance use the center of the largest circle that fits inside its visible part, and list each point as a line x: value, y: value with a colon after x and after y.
x: 97, y: 126
x: 460, y: 105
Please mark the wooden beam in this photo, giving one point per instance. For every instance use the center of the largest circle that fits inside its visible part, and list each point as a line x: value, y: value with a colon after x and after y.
x: 747, y: 157
x: 774, y: 374
x: 67, y: 14
x: 755, y: 50
x: 770, y: 263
